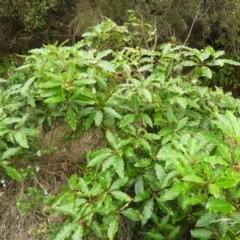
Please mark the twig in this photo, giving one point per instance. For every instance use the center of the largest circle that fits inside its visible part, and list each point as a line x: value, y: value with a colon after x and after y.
x: 195, y: 19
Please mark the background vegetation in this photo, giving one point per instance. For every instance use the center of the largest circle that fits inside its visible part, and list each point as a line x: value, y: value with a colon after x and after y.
x: 28, y: 24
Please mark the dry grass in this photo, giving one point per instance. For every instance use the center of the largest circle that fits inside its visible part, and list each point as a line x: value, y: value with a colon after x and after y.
x: 54, y: 172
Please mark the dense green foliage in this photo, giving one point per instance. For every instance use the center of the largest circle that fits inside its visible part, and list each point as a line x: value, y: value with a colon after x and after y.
x: 171, y: 166
x: 30, y: 23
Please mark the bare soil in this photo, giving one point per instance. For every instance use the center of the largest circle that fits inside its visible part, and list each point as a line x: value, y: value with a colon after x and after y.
x: 54, y: 170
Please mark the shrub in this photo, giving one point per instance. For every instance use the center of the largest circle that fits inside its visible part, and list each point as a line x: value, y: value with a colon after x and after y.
x: 171, y: 166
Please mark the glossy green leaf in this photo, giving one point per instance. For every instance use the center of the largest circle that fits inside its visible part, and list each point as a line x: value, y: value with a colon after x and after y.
x: 182, y: 102
x: 78, y: 233
x: 101, y: 81
x: 49, y: 92
x: 207, y: 168
x: 12, y: 172
x: 112, y: 112
x: 98, y: 117
x: 124, y: 142
x: 219, y: 205
x: 168, y: 178
x: 214, y: 190
x: 50, y: 84
x: 85, y: 111
x: 193, y: 146
x: 83, y: 81
x: 167, y: 152
x: 201, y: 233
x: 145, y: 144
x: 110, y: 161
x: 231, y: 62
x: 181, y: 123
x: 121, y: 196
x: 112, y: 139
x: 189, y: 63
x: 235, y: 216
x: 227, y: 182
x: 146, y: 119
x: 27, y: 84
x: 180, y: 187
x: 206, y: 72
x: 174, y: 232
x: 134, y: 102
x: 170, y: 114
x: 55, y: 99
x: 11, y: 120
x: 154, y: 234
x: 118, y: 183
x: 83, y: 185
x: 83, y: 91
x: 132, y: 214
x: 106, y: 65
x: 127, y: 120
x: 215, y: 160
x: 112, y: 229
x: 167, y: 195
x: 212, y: 138
x: 179, y: 167
x: 145, y: 94
x: 71, y: 118
x: 211, y: 51
x: 147, y: 211
x: 72, y: 182
x: 21, y: 139
x: 68, y: 209
x: 139, y: 185
x: 10, y: 152
x: 81, y: 100
x: 225, y: 150
x: 119, y: 166
x: 224, y: 124
x: 96, y: 229
x: 140, y: 196
x: 193, y: 178
x: 99, y: 155
x: 103, y: 155
x: 29, y: 131
x: 147, y: 67
x: 165, y: 207
x: 66, y: 231
x: 159, y: 170
x: 206, y: 219
x: 151, y: 136
x: 102, y: 54
x: 193, y: 200
x: 237, y: 154
x: 217, y: 62
x: 235, y: 124
x: 89, y: 120
x: 203, y: 55
x: 142, y: 163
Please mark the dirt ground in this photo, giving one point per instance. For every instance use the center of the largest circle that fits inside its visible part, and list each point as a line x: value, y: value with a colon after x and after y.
x: 54, y: 170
